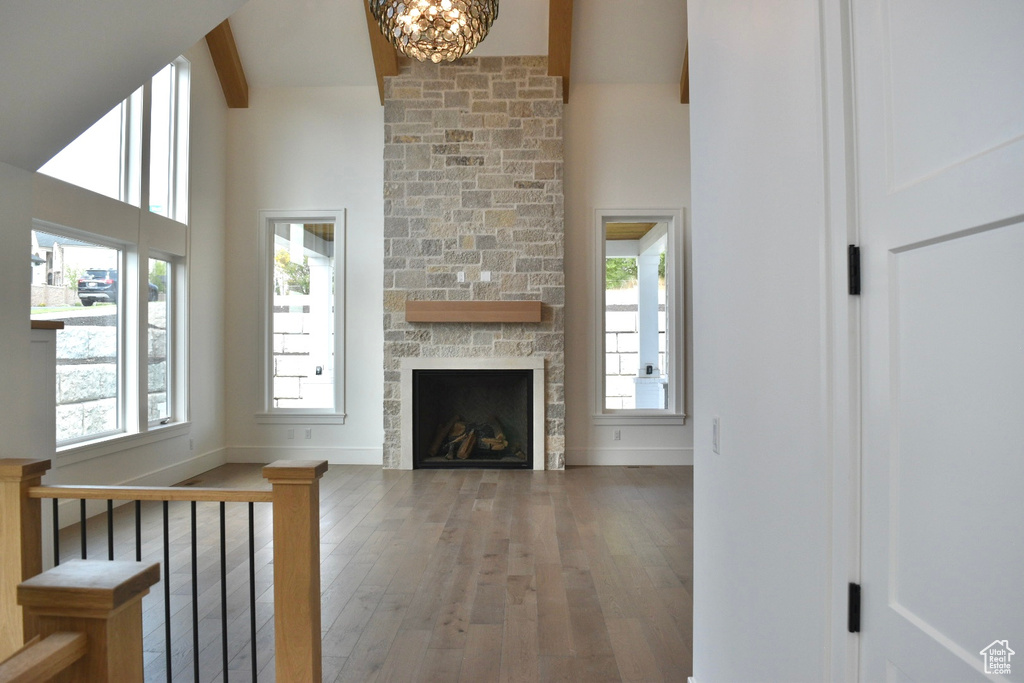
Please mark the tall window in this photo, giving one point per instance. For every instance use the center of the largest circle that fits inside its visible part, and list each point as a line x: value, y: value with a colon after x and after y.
x: 302, y: 294
x: 120, y: 355
x: 168, y: 142
x: 159, y: 340
x: 640, y: 314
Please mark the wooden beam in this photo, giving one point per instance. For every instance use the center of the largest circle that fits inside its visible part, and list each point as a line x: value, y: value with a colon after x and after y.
x: 229, y: 66
x: 473, y: 311
x: 560, y: 42
x: 385, y: 57
x: 684, y: 80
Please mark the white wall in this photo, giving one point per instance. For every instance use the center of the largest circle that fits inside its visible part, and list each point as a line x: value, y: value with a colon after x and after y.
x: 307, y: 149
x: 171, y: 460
x: 761, y: 316
x: 15, y: 376
x: 626, y: 147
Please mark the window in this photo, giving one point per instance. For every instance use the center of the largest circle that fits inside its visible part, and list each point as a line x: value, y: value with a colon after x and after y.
x: 115, y: 276
x: 159, y: 341
x: 639, y: 312
x: 107, y: 158
x: 168, y: 142
x: 302, y: 293
x: 89, y: 348
x: 103, y: 158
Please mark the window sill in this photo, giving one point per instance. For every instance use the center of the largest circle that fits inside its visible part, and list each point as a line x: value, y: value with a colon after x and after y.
x: 80, y: 452
x: 300, y: 418
x: 640, y: 418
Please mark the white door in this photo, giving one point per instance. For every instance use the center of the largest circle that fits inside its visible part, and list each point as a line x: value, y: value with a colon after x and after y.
x: 939, y: 113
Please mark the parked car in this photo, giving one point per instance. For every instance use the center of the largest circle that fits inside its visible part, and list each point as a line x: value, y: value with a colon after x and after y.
x: 101, y: 285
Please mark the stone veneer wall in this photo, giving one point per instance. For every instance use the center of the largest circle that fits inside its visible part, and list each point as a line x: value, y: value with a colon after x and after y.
x: 473, y: 183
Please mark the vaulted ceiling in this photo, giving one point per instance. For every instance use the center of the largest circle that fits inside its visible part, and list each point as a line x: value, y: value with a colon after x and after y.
x: 67, y: 63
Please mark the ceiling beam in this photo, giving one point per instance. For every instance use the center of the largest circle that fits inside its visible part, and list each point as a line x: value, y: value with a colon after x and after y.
x: 684, y: 80
x: 560, y: 42
x: 229, y: 66
x: 385, y: 57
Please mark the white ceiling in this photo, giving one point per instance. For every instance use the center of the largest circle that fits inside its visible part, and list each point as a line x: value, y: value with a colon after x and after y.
x: 298, y: 43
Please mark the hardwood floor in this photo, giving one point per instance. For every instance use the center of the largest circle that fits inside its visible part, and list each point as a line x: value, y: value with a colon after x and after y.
x: 447, y: 575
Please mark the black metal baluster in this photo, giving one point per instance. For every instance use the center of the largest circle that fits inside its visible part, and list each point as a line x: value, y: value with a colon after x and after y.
x: 195, y: 599
x: 56, y: 534
x: 252, y: 592
x: 81, y: 525
x: 110, y: 530
x: 167, y: 593
x: 223, y: 593
x: 138, y: 531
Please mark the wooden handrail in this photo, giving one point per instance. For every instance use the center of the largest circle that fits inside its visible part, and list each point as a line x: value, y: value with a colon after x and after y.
x: 153, y: 493
x: 41, y: 660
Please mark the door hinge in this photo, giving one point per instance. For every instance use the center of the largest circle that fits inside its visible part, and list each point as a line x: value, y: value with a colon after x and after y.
x: 853, y: 268
x: 853, y: 606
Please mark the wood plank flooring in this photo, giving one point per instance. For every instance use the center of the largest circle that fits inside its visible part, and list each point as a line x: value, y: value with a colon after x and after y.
x: 445, y: 575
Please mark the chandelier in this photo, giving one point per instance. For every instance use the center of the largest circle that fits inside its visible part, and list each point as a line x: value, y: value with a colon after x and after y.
x: 435, y: 30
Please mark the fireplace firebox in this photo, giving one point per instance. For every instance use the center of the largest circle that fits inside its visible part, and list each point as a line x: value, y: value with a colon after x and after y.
x: 472, y: 418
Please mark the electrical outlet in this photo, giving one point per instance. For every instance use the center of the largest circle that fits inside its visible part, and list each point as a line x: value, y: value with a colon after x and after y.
x: 191, y: 445
x: 291, y: 433
x: 617, y: 435
x: 309, y: 432
x: 716, y: 435
x: 460, y: 276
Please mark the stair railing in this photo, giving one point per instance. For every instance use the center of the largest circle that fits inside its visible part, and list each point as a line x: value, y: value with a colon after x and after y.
x: 295, y: 499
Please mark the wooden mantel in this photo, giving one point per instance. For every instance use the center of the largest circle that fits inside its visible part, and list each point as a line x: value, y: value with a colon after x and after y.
x: 472, y: 311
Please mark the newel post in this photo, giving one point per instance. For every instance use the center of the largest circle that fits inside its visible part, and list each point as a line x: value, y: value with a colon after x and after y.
x: 297, y: 568
x: 103, y: 600
x: 21, y: 541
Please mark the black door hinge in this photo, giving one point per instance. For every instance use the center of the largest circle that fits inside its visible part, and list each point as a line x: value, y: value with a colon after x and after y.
x: 853, y: 268
x: 853, y: 606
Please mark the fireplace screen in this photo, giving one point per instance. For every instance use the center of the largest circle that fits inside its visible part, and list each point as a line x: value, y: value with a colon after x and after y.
x: 472, y: 418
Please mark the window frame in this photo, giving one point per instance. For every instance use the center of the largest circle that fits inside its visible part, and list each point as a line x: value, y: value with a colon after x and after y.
x: 675, y: 413
x: 268, y: 413
x: 65, y: 209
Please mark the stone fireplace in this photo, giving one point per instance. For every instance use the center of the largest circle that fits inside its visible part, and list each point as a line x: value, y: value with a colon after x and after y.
x: 473, y: 211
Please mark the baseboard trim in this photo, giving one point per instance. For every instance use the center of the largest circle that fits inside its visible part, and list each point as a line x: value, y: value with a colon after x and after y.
x: 651, y: 457
x: 163, y: 476
x: 334, y: 456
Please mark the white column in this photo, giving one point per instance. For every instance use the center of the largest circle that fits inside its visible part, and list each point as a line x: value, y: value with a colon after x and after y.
x: 650, y: 389
x: 318, y: 324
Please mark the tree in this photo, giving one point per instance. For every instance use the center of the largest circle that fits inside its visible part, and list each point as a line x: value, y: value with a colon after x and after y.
x: 620, y: 273
x: 294, y: 276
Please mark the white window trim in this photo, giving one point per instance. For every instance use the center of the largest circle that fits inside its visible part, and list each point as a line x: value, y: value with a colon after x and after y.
x: 269, y: 414
x: 675, y: 414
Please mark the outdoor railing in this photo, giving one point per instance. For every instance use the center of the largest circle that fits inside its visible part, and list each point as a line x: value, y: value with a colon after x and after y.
x: 296, y: 555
